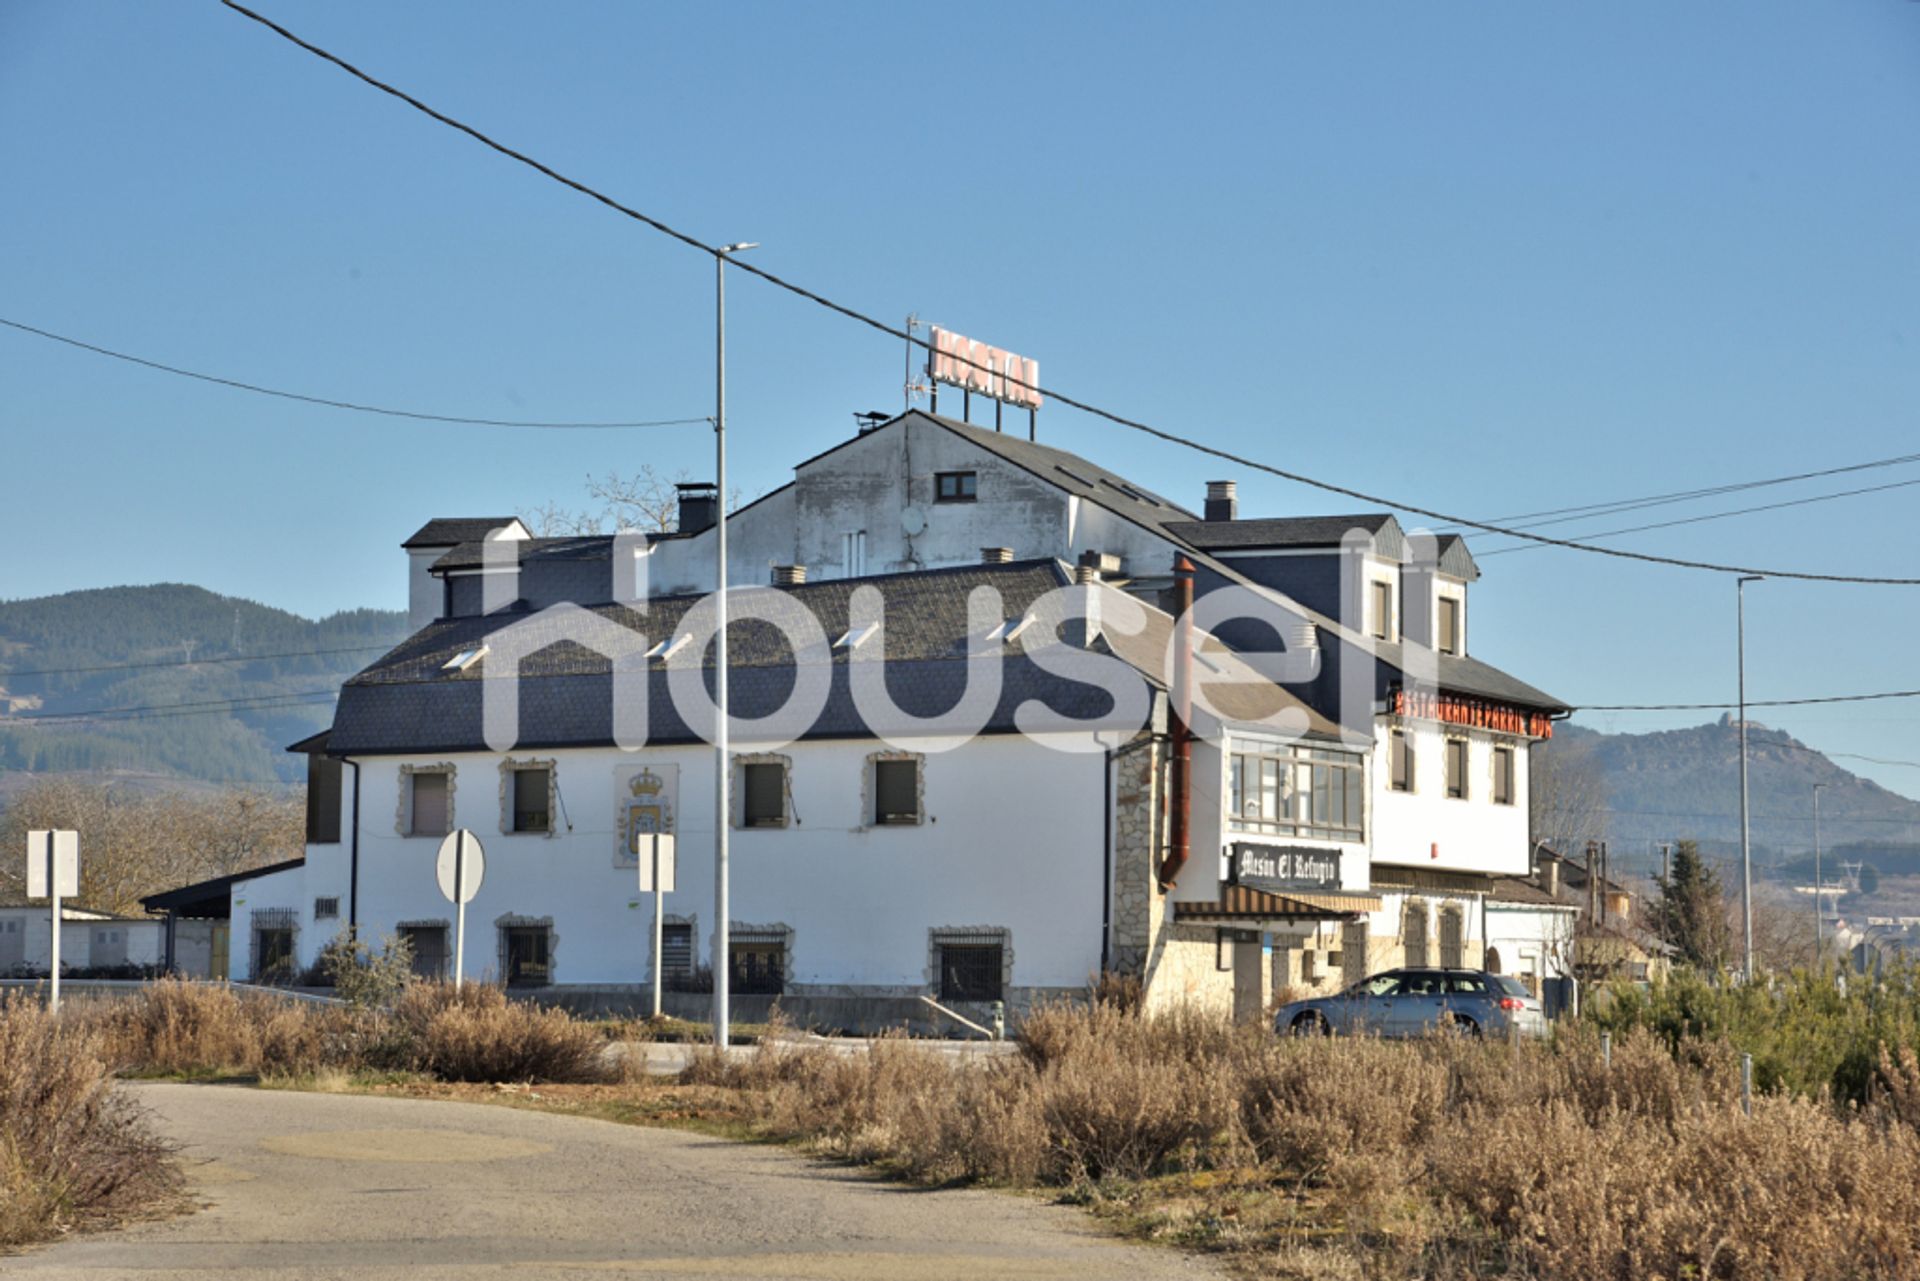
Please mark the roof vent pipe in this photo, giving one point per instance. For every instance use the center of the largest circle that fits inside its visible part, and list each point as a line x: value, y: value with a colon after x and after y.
x: 1223, y: 502
x: 789, y: 575
x: 996, y: 555
x: 1086, y: 575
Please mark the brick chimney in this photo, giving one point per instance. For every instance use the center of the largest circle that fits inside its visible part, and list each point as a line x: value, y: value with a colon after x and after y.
x: 1223, y: 502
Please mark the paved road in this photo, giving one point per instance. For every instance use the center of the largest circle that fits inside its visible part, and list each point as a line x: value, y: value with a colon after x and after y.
x: 338, y: 1186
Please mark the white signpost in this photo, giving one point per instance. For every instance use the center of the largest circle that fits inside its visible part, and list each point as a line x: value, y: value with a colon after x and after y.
x: 461, y: 865
x: 53, y: 872
x: 656, y: 858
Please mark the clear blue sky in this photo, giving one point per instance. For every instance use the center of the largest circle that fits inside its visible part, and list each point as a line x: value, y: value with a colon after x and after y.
x: 1492, y: 257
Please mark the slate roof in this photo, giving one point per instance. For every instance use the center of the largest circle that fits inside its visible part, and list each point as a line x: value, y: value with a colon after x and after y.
x: 407, y: 702
x: 1464, y: 674
x: 1520, y: 891
x: 1285, y: 531
x: 1074, y: 474
x: 472, y: 554
x: 215, y: 890
x: 448, y: 531
x: 1455, y: 559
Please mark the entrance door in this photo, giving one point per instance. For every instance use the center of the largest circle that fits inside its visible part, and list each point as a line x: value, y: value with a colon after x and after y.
x: 222, y: 934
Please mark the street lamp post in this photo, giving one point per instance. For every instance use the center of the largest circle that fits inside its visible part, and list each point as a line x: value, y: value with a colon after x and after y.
x: 1816, y: 873
x: 1746, y: 836
x: 721, y: 754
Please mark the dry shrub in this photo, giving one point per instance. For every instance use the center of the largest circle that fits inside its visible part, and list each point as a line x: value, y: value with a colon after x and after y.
x: 1898, y: 1097
x: 474, y: 1033
x: 1307, y: 1105
x: 176, y: 1026
x: 73, y: 1149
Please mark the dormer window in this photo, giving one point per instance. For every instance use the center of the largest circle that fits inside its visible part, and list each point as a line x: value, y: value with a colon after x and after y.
x: 854, y: 637
x: 955, y: 487
x: 1381, y: 601
x: 1448, y: 639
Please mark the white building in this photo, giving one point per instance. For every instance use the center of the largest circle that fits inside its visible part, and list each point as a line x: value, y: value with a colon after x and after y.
x: 1349, y: 807
x: 89, y: 941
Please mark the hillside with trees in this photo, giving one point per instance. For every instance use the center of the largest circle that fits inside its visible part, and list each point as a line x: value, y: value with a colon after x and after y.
x: 172, y: 681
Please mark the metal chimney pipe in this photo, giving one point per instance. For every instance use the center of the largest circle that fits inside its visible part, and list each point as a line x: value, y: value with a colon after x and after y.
x: 1180, y: 782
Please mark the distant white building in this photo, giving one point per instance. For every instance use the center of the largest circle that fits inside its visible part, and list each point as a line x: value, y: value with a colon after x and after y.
x: 1355, y: 803
x: 89, y: 940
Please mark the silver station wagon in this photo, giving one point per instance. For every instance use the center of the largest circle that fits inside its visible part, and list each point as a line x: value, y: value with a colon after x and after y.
x: 1414, y: 1002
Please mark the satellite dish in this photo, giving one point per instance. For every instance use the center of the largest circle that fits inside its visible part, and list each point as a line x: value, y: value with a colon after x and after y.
x: 913, y: 520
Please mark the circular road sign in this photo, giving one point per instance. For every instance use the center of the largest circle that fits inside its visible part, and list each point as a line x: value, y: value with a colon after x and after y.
x: 474, y: 865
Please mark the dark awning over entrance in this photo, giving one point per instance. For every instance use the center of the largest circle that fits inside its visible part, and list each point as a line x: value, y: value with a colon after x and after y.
x: 1244, y: 905
x: 209, y: 899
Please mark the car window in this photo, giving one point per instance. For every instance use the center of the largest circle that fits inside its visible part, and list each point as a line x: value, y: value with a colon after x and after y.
x: 1421, y: 983
x: 1510, y: 986
x: 1380, y: 985
x: 1467, y: 984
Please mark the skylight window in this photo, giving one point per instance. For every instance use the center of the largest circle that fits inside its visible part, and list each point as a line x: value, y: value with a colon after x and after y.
x: 1009, y: 630
x: 464, y: 659
x: 853, y: 638
x: 668, y: 648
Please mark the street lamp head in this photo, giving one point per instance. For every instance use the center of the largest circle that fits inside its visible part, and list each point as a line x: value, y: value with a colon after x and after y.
x: 1752, y: 578
x: 739, y: 246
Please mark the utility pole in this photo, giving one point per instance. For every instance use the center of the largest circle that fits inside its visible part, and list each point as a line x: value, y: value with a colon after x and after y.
x: 1666, y: 890
x: 722, y: 764
x: 1816, y: 872
x: 1746, y: 829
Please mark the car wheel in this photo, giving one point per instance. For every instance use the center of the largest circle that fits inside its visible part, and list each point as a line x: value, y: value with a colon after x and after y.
x: 1312, y: 1023
x: 1460, y: 1026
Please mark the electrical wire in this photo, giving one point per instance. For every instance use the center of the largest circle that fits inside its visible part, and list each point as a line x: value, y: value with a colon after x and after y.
x: 340, y: 404
x: 195, y: 662
x: 217, y: 704
x: 1696, y: 520
x: 1683, y: 495
x: 883, y: 327
x: 1751, y: 703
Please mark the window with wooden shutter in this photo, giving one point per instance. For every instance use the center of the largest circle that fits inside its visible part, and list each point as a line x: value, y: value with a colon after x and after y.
x: 1449, y: 640
x: 1457, y: 768
x: 323, y: 800
x: 1503, y: 776
x: 896, y: 791
x: 764, y: 799
x: 1383, y: 610
x: 532, y: 800
x: 429, y: 804
x: 1401, y: 755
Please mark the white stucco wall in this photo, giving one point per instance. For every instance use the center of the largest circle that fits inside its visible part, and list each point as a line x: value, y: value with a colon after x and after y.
x: 1531, y: 939
x: 1013, y: 839
x: 1471, y: 835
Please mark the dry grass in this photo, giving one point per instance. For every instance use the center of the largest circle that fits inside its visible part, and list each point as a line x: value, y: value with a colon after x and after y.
x: 74, y: 1150
x: 178, y: 1028
x: 1360, y: 1158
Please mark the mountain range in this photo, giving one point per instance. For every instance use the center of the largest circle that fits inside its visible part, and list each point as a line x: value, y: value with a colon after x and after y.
x: 172, y: 682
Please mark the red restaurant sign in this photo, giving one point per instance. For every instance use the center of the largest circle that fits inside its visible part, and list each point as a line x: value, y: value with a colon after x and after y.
x: 962, y: 362
x: 1476, y: 712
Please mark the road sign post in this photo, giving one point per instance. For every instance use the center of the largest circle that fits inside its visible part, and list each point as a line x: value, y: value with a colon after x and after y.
x: 461, y: 866
x: 656, y: 874
x: 53, y: 873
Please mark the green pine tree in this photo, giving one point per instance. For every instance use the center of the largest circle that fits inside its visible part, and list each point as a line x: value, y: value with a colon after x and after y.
x: 1692, y: 910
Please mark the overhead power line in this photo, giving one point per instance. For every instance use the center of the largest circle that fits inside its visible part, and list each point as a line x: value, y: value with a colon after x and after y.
x: 340, y: 404
x: 1696, y: 520
x: 216, y: 704
x: 194, y: 662
x: 1527, y: 520
x: 881, y: 326
x: 1751, y: 703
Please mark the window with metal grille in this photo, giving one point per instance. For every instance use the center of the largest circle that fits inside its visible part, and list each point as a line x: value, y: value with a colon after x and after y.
x: 429, y: 946
x: 1290, y: 790
x: 532, y: 790
x: 1503, y: 776
x: 1353, y: 952
x: 757, y: 966
x: 971, y: 971
x: 1453, y: 938
x: 676, y: 949
x: 896, y: 791
x: 955, y: 487
x: 1457, y: 769
x: 764, y: 799
x: 323, y: 800
x: 273, y: 946
x: 1402, y: 761
x: 526, y: 955
x: 326, y: 909
x: 429, y: 805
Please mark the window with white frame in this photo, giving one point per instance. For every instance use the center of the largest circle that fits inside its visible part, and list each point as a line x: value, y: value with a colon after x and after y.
x: 853, y: 553
x: 1448, y: 640
x: 1294, y: 790
x: 1503, y: 776
x: 1400, y: 754
x: 1381, y: 604
x: 1457, y: 769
